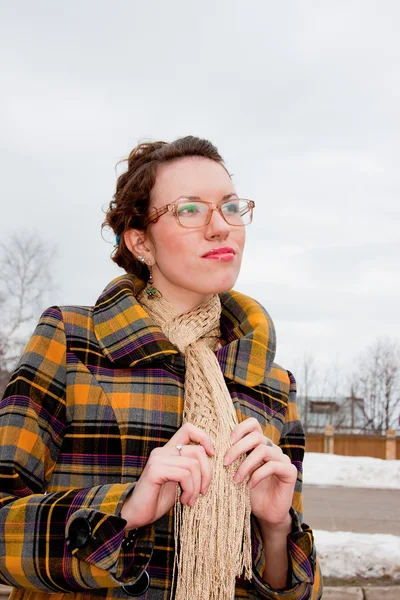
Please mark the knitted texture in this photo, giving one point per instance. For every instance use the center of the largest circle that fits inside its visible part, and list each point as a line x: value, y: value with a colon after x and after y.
x: 212, y: 538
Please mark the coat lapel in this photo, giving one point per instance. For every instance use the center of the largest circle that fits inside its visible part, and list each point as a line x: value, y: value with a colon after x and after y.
x: 125, y: 332
x: 129, y: 337
x: 249, y: 332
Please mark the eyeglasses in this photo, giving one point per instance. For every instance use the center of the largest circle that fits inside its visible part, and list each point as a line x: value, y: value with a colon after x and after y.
x: 197, y: 213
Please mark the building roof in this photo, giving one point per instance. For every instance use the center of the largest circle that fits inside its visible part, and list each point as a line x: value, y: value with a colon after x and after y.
x: 341, y: 412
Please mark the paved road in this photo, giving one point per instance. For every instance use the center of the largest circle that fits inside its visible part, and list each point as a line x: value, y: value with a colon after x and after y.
x: 366, y: 593
x: 352, y: 509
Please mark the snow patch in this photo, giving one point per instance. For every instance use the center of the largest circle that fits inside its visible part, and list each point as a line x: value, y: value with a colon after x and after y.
x: 345, y: 555
x: 351, y: 471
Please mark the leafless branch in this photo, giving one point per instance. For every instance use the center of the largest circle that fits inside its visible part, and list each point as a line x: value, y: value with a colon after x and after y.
x: 377, y: 381
x: 25, y: 275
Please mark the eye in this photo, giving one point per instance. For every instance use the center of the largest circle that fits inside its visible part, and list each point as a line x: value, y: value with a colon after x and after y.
x: 232, y: 207
x: 188, y: 209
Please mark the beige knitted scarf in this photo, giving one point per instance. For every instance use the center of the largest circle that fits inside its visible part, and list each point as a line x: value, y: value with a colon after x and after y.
x: 212, y: 539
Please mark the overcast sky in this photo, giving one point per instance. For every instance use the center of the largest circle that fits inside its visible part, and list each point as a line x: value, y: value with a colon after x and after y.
x: 302, y: 100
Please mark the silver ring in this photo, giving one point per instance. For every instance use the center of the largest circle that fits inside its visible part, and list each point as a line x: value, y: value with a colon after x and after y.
x: 270, y: 443
x: 179, y: 448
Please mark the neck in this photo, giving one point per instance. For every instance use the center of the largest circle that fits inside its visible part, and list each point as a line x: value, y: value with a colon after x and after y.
x: 181, y: 299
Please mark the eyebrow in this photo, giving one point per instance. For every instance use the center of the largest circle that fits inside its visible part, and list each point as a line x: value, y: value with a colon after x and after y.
x: 226, y: 197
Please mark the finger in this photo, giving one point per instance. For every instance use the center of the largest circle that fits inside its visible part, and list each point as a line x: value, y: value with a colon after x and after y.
x: 163, y: 473
x: 190, y: 433
x: 286, y: 473
x: 248, y: 443
x: 198, y: 453
x: 192, y: 465
x: 253, y: 461
x: 245, y: 427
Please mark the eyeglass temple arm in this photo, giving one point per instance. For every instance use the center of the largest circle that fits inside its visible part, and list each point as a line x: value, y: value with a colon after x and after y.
x: 158, y: 212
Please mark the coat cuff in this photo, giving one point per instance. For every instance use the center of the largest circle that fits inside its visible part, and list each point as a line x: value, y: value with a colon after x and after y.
x: 97, y: 536
x: 301, y: 562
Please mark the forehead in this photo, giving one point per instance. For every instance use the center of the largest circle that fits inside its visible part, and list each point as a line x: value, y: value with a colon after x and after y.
x: 191, y: 176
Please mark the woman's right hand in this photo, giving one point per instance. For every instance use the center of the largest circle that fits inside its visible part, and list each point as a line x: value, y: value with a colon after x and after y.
x: 155, y: 491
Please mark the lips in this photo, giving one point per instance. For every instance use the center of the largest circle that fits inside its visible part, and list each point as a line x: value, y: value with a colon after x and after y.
x: 225, y: 253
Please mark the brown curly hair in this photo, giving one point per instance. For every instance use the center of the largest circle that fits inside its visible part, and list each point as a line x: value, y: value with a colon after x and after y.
x: 130, y: 205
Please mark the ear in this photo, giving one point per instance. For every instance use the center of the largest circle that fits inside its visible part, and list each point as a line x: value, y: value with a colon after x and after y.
x: 138, y: 244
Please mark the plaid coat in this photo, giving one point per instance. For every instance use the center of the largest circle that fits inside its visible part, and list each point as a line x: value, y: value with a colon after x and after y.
x: 96, y: 390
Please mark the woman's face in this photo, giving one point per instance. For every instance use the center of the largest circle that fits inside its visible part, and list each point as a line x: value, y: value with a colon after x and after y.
x: 182, y: 266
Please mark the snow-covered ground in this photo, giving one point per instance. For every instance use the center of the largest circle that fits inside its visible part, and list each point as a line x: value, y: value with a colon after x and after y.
x: 345, y: 554
x: 351, y: 471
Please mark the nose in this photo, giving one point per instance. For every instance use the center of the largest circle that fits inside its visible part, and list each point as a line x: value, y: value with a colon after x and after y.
x: 218, y: 228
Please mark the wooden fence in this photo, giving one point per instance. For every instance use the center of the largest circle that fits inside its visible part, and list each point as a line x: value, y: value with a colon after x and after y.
x: 351, y: 444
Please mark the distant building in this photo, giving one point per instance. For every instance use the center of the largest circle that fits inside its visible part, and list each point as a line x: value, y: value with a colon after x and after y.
x: 346, y: 413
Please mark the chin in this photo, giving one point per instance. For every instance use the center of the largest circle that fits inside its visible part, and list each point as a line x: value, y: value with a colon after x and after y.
x: 223, y: 284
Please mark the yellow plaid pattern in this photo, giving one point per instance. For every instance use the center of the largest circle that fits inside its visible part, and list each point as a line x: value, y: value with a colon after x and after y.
x: 96, y: 390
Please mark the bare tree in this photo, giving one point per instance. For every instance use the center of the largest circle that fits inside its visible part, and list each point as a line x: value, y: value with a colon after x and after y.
x: 25, y: 265
x: 306, y: 379
x: 377, y: 381
x: 332, y: 388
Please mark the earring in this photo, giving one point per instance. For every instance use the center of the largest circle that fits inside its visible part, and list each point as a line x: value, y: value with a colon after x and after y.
x: 151, y: 291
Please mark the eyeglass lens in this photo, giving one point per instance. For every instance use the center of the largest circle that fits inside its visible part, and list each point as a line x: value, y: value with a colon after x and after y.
x: 195, y: 214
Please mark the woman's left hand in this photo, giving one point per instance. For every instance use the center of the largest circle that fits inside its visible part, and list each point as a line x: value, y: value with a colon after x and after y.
x: 272, y: 477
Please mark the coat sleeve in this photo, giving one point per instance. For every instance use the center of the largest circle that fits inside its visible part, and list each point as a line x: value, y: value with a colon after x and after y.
x: 61, y: 541
x: 304, y: 581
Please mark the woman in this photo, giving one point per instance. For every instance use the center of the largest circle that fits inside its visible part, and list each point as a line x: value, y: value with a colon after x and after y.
x: 149, y: 445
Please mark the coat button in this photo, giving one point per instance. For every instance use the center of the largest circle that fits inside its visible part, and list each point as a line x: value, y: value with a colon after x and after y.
x: 139, y: 587
x: 79, y: 533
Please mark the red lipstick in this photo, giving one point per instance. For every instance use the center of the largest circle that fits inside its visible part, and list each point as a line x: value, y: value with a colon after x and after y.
x: 223, y: 254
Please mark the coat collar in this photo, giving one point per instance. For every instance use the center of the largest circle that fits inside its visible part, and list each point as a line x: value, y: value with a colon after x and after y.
x: 129, y: 337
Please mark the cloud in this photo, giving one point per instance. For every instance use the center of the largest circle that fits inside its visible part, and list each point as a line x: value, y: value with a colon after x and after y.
x: 302, y: 101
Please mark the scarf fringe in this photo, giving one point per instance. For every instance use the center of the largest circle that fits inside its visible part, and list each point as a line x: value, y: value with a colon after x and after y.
x: 212, y: 538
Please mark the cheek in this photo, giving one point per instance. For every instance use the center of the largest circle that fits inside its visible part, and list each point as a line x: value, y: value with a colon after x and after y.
x: 241, y: 237
x: 177, y: 254
x: 175, y: 246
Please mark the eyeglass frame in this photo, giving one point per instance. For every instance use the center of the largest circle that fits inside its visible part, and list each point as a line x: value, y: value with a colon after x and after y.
x: 171, y: 207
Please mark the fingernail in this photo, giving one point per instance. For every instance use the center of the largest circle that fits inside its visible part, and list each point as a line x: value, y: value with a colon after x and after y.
x: 226, y: 461
x: 233, y: 438
x: 237, y: 478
